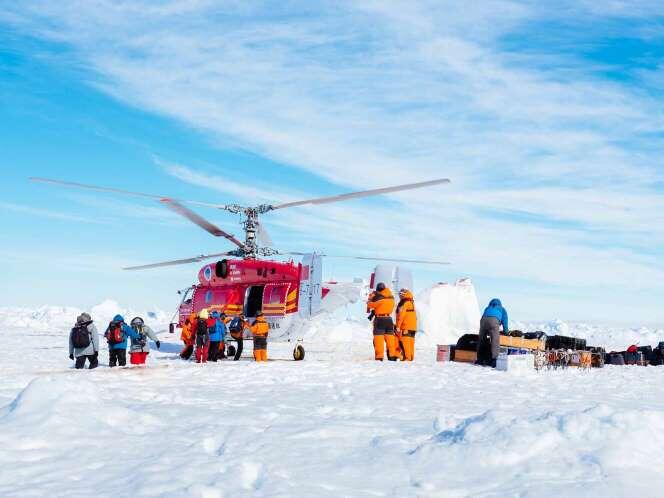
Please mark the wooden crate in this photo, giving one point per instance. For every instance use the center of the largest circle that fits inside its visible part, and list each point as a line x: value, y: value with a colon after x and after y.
x: 465, y: 356
x: 521, y: 343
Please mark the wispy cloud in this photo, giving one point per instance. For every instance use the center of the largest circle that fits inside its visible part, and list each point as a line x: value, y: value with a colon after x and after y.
x: 48, y: 213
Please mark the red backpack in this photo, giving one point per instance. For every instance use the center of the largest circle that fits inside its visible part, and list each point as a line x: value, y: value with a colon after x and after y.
x: 115, y: 335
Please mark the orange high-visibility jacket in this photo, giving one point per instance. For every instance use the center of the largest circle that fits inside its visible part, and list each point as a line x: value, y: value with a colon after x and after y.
x: 260, y: 328
x: 406, y: 316
x: 382, y: 303
x: 187, y: 334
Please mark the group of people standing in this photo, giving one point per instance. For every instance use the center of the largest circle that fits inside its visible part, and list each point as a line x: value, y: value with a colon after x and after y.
x: 204, y: 335
x: 84, y: 341
x: 398, y: 338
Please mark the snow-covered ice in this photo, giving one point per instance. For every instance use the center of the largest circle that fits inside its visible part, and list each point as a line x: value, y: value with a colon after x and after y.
x: 336, y: 424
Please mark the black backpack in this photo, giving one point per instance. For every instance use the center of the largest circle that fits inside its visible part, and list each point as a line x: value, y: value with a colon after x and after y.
x: 202, y: 333
x: 80, y: 337
x: 236, y: 325
x: 201, y: 328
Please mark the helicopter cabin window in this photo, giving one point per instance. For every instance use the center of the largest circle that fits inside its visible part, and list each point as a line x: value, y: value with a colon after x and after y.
x: 205, y: 298
x: 253, y: 301
x: 276, y: 294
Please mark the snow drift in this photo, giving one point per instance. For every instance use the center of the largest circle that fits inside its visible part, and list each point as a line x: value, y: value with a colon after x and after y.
x: 59, y: 318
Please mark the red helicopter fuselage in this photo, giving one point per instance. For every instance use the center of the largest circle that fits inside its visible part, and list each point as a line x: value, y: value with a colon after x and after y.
x: 246, y: 286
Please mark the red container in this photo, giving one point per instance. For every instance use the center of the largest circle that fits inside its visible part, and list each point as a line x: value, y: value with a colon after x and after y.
x: 443, y: 352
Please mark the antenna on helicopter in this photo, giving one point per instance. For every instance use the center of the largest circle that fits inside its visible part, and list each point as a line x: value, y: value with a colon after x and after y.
x: 254, y: 232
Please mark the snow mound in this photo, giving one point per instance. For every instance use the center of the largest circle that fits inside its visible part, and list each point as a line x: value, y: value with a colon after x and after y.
x: 445, y: 312
x: 71, y: 405
x: 48, y: 401
x: 579, y: 446
x: 39, y: 319
x: 62, y: 318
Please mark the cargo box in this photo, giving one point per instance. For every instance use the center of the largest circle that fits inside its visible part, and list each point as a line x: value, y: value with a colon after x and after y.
x: 465, y: 356
x: 443, y: 352
x: 522, y: 343
x: 518, y: 363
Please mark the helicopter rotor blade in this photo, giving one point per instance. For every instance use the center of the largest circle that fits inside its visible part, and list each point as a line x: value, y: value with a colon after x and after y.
x: 85, y: 186
x: 368, y: 258
x: 178, y: 261
x: 199, y: 220
x: 365, y: 193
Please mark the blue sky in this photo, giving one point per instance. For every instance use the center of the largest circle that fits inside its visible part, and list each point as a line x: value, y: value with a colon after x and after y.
x: 548, y: 118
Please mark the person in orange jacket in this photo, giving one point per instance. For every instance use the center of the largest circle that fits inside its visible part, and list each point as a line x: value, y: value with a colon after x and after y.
x: 187, y: 336
x: 259, y: 331
x: 381, y: 306
x: 406, y: 324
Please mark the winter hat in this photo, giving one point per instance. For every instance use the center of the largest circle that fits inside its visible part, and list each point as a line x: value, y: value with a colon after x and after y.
x: 137, y: 322
x: 380, y: 287
x: 86, y: 317
x: 118, y: 318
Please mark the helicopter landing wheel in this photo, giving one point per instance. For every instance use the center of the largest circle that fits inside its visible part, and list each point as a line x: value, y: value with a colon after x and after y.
x: 298, y: 353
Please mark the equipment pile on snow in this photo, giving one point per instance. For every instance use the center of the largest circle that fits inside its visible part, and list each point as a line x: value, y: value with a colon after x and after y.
x: 539, y: 351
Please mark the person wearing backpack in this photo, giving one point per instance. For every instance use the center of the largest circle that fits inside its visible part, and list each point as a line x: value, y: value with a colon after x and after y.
x: 84, y: 342
x: 236, y: 326
x: 139, y: 349
x: 217, y: 332
x: 202, y: 336
x: 116, y: 335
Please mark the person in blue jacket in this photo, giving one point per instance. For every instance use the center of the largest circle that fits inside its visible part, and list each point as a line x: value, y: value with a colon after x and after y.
x: 217, y: 331
x: 116, y: 335
x: 489, y: 341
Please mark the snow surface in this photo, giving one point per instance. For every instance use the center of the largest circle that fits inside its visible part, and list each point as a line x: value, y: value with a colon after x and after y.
x: 336, y: 424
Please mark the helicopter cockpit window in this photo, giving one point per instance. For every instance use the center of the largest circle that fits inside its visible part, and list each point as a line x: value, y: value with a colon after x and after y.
x: 188, y: 295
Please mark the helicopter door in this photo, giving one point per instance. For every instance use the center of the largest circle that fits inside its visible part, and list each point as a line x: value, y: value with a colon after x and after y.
x: 310, y: 285
x: 253, y: 301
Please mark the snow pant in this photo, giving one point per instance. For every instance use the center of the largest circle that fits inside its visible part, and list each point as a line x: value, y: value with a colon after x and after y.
x: 187, y: 351
x: 260, y: 348
x: 117, y: 357
x: 408, y: 345
x: 238, y: 350
x: 213, y: 351
x: 138, y: 358
x: 92, y: 359
x: 383, y: 331
x: 488, y: 346
x: 379, y: 346
x: 202, y: 353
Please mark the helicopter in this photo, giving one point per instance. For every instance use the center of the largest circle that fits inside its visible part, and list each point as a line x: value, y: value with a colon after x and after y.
x: 247, y: 280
